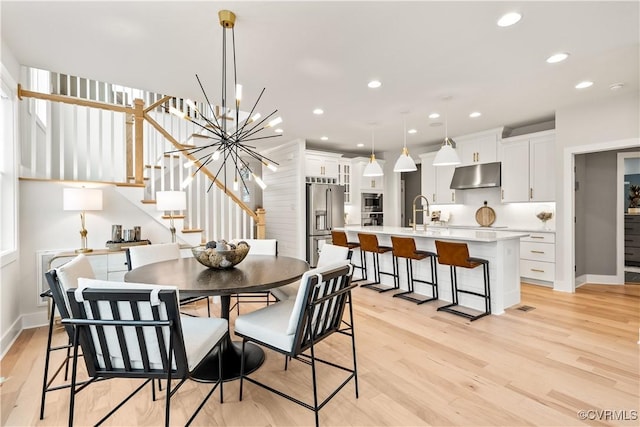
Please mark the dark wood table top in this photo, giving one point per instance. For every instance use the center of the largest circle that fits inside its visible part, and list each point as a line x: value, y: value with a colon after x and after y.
x: 254, y: 273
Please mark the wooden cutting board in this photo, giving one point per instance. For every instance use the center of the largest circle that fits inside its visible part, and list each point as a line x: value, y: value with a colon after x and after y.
x: 485, y: 216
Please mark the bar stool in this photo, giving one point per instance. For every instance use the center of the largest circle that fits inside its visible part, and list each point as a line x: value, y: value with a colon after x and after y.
x: 369, y: 243
x: 339, y: 238
x: 405, y: 247
x: 457, y: 255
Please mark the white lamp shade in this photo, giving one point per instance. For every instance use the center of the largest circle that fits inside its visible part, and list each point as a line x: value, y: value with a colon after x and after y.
x: 447, y: 156
x: 373, y: 168
x: 82, y: 199
x: 171, y: 200
x: 405, y: 163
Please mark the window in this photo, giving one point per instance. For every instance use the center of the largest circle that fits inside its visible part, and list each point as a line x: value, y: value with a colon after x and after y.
x: 40, y: 82
x: 8, y: 174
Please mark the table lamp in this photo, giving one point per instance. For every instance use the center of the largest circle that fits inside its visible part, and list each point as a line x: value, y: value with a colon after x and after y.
x: 171, y: 201
x: 82, y: 199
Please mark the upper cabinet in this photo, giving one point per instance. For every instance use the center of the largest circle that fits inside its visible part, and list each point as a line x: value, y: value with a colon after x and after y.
x: 481, y: 147
x: 528, y: 167
x: 365, y: 184
x: 344, y: 178
x: 436, y: 181
x: 321, y: 166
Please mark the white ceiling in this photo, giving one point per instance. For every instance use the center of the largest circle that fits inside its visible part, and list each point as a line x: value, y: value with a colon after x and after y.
x: 323, y: 53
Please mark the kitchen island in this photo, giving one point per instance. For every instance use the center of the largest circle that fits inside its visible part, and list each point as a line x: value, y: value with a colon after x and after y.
x: 500, y: 248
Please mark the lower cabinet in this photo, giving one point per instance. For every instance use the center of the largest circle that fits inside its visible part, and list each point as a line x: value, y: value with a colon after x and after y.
x: 632, y: 240
x: 538, y: 257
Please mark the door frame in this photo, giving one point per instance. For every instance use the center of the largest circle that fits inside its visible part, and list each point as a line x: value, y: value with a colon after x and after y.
x: 620, y: 212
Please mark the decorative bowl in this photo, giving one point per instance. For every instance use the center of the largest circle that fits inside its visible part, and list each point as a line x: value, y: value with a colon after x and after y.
x: 220, y: 259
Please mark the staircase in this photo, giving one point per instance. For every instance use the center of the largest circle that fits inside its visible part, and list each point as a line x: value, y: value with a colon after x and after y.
x: 135, y: 148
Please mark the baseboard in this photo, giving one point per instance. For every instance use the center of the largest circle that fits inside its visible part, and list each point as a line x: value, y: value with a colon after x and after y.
x: 10, y: 337
x: 27, y: 321
x: 598, y: 279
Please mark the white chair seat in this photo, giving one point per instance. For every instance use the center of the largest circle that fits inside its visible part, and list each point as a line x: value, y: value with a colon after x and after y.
x: 270, y: 324
x: 199, y: 333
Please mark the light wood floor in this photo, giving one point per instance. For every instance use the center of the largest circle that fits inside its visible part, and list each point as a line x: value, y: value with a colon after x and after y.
x: 417, y: 366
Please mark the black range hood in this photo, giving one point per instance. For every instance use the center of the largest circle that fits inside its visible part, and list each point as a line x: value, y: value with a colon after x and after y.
x: 484, y: 175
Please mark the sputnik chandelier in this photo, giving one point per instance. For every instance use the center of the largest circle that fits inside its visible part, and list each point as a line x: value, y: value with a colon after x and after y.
x: 228, y: 143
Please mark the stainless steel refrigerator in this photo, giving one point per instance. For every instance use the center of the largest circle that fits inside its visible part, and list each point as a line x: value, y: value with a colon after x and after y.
x: 325, y: 211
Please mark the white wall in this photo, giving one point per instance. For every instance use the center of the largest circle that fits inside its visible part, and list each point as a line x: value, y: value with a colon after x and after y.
x: 45, y: 226
x: 615, y: 119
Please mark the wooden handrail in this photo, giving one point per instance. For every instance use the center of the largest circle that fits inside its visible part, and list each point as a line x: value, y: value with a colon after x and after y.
x: 23, y: 93
x: 204, y: 170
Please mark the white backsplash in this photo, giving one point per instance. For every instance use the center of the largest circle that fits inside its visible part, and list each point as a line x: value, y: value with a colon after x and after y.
x: 513, y: 215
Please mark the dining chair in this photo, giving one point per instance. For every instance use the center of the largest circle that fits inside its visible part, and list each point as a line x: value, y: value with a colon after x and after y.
x: 329, y: 254
x: 129, y: 330
x: 137, y: 256
x: 295, y: 327
x: 256, y: 247
x: 59, y: 280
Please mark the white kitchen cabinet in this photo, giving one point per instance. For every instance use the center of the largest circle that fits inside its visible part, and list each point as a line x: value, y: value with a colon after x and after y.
x: 528, y: 168
x: 371, y: 184
x: 321, y: 166
x: 481, y: 147
x: 344, y: 178
x: 538, y: 257
x: 436, y: 181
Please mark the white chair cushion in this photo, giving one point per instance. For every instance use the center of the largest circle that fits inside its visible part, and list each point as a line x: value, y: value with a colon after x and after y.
x: 269, y: 325
x: 286, y: 292
x: 69, y: 273
x: 124, y: 309
x: 200, y: 335
x: 331, y: 254
x: 147, y: 254
x: 300, y: 297
x: 260, y: 246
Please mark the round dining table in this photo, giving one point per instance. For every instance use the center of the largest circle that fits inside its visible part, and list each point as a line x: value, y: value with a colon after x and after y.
x: 254, y: 273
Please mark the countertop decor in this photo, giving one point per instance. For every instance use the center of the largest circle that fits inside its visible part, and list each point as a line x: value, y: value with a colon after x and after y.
x: 220, y: 254
x: 544, y: 217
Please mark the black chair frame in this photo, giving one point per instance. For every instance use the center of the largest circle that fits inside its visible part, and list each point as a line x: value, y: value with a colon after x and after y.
x: 54, y: 294
x: 375, y: 285
x: 410, y: 294
x: 183, y: 300
x: 332, y: 298
x: 174, y: 353
x: 450, y: 308
x: 258, y: 297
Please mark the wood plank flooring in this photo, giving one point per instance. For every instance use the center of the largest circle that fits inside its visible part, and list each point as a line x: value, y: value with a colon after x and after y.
x: 417, y: 366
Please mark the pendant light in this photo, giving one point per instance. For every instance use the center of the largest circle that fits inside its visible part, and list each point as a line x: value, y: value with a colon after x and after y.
x: 405, y: 163
x: 447, y: 155
x: 373, y: 168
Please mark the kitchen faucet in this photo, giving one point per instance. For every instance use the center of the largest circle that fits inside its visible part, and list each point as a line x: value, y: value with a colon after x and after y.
x: 420, y: 196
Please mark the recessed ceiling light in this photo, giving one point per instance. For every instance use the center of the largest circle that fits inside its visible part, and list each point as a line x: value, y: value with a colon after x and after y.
x: 475, y: 114
x: 360, y: 145
x: 583, y: 85
x: 557, y: 57
x: 278, y: 130
x: 373, y: 84
x: 324, y: 138
x: 616, y: 86
x: 434, y: 115
x: 435, y: 124
x: 509, y: 19
x: 318, y: 111
x: 412, y: 131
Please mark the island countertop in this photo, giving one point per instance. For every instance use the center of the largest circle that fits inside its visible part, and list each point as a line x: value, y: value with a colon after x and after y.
x: 462, y: 234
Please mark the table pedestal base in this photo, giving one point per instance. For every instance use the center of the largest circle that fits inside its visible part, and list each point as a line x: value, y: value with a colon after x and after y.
x: 231, y: 358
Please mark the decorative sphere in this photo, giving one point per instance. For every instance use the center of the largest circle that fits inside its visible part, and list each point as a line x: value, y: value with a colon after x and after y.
x: 217, y: 257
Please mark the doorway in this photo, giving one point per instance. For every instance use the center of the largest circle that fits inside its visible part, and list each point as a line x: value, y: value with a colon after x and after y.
x: 628, y: 176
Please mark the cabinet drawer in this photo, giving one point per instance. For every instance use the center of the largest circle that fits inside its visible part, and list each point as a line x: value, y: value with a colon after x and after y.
x: 540, y: 237
x: 538, y: 251
x: 632, y: 240
x: 632, y: 254
x: 632, y: 219
x: 538, y: 270
x: 117, y: 262
x: 631, y: 227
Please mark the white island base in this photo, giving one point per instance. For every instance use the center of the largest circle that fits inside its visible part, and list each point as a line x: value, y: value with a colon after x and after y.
x: 500, y: 248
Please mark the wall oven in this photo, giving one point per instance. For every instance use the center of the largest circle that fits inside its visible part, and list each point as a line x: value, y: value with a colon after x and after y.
x: 371, y: 202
